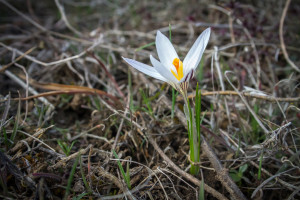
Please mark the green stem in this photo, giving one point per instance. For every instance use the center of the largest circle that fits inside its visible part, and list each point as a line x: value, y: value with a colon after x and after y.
x: 194, y: 169
x: 198, y: 120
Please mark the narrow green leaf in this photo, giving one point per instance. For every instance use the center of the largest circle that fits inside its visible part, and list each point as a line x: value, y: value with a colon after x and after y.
x: 5, y: 112
x: 156, y: 95
x: 194, y: 169
x: 6, y: 141
x: 145, y: 46
x: 70, y: 179
x: 87, y: 187
x: 80, y: 196
x: 69, y: 149
x: 127, y: 179
x: 16, y: 125
x: 198, y: 118
x: 199, y: 72
x: 260, y: 164
x: 147, y: 102
x: 201, y: 192
x: 128, y: 172
x: 63, y: 147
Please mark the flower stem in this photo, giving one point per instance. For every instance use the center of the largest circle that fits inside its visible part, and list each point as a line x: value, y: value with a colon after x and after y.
x: 193, y: 139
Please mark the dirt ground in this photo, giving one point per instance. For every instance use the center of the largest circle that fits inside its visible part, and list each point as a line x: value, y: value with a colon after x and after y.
x: 77, y: 122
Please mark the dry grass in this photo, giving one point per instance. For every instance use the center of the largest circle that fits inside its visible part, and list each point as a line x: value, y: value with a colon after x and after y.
x: 67, y: 100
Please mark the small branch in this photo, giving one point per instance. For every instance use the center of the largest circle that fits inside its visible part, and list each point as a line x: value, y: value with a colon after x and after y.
x: 62, y: 61
x: 64, y: 18
x: 120, y: 128
x: 258, y: 67
x: 246, y: 94
x: 108, y: 74
x: 79, y: 91
x: 37, y: 139
x: 30, y: 89
x: 17, y: 59
x: 247, y: 105
x: 24, y: 16
x: 268, y: 180
x: 29, y: 140
x: 122, y: 115
x: 220, y: 75
x: 286, y: 56
x: 70, y: 157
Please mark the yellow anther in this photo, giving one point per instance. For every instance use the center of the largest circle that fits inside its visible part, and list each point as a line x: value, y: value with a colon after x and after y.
x: 179, y: 68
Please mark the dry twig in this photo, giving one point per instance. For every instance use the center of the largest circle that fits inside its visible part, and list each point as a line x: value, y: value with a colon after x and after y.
x: 70, y: 157
x: 64, y: 18
x: 30, y: 139
x: 246, y: 94
x: 286, y: 55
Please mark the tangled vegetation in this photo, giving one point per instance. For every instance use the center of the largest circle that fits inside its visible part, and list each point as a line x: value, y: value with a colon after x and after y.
x: 76, y: 122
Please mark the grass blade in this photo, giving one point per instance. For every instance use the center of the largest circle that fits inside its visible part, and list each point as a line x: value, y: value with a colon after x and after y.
x: 146, y: 100
x: 70, y: 180
x: 201, y: 193
x: 16, y: 125
x: 80, y: 196
x: 87, y: 187
x: 126, y: 178
x: 145, y: 46
x: 5, y: 113
x: 260, y: 164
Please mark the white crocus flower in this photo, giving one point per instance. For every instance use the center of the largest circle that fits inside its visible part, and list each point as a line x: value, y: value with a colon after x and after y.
x: 171, y: 69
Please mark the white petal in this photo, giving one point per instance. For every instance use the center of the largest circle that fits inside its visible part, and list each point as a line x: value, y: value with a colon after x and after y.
x: 165, y: 51
x: 162, y: 70
x: 145, y: 69
x: 192, y: 59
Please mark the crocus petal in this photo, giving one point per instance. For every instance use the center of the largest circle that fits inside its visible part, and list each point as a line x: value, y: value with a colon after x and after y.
x: 162, y: 70
x: 165, y: 51
x: 192, y: 59
x: 146, y: 69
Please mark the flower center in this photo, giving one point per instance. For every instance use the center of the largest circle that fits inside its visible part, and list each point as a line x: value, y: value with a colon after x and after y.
x: 179, y: 69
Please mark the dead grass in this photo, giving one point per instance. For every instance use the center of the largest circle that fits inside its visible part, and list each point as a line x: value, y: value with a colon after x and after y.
x: 67, y: 101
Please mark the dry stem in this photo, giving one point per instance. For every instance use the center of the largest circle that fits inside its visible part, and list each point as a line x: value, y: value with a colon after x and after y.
x: 285, y: 9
